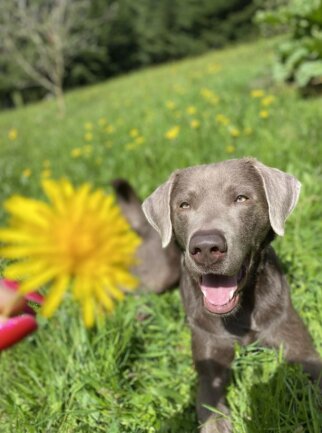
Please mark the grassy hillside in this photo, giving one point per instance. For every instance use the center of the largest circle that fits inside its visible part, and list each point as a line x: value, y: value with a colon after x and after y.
x: 134, y: 374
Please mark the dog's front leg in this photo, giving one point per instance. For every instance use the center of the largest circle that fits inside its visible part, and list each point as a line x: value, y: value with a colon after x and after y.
x: 297, y: 344
x: 212, y: 363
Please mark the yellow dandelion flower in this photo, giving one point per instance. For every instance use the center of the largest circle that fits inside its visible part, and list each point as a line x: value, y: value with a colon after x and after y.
x: 79, y: 240
x: 134, y: 132
x: 257, y: 93
x: 110, y: 129
x: 76, y: 152
x: 264, y: 114
x: 209, y: 96
x: 248, y: 130
x: 172, y: 133
x: 170, y: 105
x: 139, y: 140
x: 221, y: 119
x: 234, y: 132
x: 102, y: 121
x: 195, y: 124
x: 88, y: 126
x: 46, y: 173
x: 267, y: 100
x: 88, y: 149
x: 230, y: 148
x: 46, y: 163
x: 214, y: 68
x: 180, y: 90
x: 206, y: 93
x: 27, y: 172
x: 12, y: 134
x: 191, y: 110
x: 88, y: 136
x: 131, y: 146
x: 214, y: 100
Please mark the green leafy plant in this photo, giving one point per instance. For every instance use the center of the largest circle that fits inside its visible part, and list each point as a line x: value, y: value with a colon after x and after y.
x: 300, y: 56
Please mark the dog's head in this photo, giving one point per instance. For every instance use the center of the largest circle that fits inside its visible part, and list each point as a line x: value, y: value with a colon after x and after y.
x: 220, y: 214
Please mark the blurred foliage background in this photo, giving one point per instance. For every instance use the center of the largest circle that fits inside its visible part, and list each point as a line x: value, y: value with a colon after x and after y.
x: 93, y: 40
x: 299, y: 57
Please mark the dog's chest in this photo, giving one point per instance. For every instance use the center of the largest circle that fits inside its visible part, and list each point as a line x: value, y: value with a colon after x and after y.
x: 239, y: 330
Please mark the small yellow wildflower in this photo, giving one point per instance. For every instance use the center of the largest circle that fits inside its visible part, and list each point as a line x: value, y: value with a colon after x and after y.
x: 257, y: 93
x: 76, y: 152
x: 264, y: 114
x: 221, y: 119
x: 139, y: 140
x: 214, y: 100
x: 230, y: 148
x: 214, y: 68
x: 172, y: 133
x: 267, y: 100
x: 88, y: 136
x: 102, y: 121
x: 195, y: 124
x: 180, y: 90
x: 12, y: 134
x: 205, y: 92
x: 209, y: 95
x: 134, y: 132
x: 170, y: 105
x: 46, y: 173
x: 27, y: 172
x: 110, y: 129
x: 88, y: 149
x: 88, y: 126
x: 234, y: 132
x: 69, y: 243
x: 46, y: 163
x: 191, y: 110
x: 131, y: 146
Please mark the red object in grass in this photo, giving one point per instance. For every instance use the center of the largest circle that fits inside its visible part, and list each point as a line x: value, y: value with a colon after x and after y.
x: 32, y: 297
x: 15, y: 329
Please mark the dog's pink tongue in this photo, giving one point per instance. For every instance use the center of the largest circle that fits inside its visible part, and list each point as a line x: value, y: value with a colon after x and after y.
x: 218, y: 289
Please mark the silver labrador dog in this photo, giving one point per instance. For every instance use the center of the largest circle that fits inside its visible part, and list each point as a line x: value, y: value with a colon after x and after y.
x: 223, y: 217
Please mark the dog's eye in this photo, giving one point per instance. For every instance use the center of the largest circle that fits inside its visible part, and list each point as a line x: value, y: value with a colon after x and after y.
x: 184, y: 205
x: 241, y: 198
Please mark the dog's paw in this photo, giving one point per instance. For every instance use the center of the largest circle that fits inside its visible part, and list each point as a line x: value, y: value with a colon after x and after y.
x: 216, y: 424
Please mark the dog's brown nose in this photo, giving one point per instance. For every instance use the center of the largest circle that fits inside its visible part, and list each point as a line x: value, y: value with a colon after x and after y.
x: 207, y: 247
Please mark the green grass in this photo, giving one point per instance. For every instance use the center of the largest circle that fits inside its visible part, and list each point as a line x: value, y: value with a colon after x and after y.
x: 133, y: 374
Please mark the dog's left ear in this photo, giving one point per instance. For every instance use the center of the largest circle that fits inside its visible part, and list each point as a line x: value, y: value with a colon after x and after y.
x: 282, y: 192
x: 157, y: 210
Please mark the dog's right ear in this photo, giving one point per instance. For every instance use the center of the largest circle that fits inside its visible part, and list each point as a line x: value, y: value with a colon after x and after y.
x: 157, y: 210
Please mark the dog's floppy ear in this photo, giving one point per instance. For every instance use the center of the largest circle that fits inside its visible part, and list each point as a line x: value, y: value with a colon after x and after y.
x: 282, y: 192
x: 156, y: 208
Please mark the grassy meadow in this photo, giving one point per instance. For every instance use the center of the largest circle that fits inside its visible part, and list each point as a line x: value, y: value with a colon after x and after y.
x: 133, y: 373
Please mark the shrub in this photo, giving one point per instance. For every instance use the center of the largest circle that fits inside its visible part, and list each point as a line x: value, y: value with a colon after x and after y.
x: 300, y: 56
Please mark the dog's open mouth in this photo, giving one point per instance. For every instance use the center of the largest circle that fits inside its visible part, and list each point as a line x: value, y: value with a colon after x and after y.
x: 220, y: 292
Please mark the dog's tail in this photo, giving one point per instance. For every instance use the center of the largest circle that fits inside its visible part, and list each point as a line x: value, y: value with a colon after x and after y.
x: 159, y: 268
